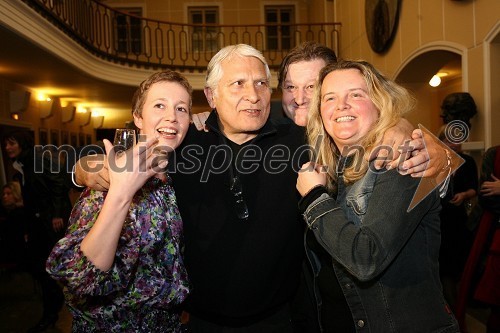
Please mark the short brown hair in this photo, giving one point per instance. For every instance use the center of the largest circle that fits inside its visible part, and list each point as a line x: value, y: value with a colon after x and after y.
x: 306, y: 51
x: 168, y: 76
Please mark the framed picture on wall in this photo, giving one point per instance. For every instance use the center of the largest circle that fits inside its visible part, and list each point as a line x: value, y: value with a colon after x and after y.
x: 54, y: 137
x: 64, y: 138
x: 43, y: 138
x: 73, y: 139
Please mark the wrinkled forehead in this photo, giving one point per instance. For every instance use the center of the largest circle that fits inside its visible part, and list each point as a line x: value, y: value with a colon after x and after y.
x: 305, y: 71
x: 237, y: 63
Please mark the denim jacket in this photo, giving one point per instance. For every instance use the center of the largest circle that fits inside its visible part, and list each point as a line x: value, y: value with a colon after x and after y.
x: 385, y: 258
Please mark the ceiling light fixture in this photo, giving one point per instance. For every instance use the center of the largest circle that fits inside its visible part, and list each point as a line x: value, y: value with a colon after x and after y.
x: 435, y: 81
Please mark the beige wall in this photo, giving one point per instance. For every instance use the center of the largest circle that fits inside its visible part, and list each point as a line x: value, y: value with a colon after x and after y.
x: 463, y: 27
x: 233, y: 11
x: 494, y: 91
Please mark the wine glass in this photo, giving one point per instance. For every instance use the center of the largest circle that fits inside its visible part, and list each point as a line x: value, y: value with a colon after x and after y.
x: 124, y: 139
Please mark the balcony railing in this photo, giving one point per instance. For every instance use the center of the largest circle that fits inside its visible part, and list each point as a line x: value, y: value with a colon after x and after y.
x: 123, y: 38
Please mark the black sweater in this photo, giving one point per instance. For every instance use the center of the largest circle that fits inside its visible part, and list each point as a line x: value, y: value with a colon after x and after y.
x: 241, y: 270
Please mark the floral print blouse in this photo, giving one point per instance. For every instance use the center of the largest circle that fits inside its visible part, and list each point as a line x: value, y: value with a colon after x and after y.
x: 148, y: 278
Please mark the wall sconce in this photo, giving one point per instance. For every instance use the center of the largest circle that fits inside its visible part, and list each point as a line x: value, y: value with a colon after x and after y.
x: 436, y: 79
x: 81, y: 109
x: 98, y: 121
x: 19, y: 102
x: 68, y: 113
x: 46, y: 107
x: 88, y: 116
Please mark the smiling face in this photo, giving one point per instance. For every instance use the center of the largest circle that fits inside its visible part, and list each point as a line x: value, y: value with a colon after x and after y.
x: 12, y: 148
x: 298, y: 88
x: 347, y: 111
x: 165, y: 114
x: 242, y: 98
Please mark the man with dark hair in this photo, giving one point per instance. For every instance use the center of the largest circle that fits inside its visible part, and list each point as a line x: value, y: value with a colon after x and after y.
x: 297, y: 77
x: 458, y: 106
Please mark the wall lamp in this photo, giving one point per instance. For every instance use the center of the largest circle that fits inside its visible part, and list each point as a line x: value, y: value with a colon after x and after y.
x: 45, y: 104
x: 98, y: 121
x: 19, y: 102
x: 68, y: 113
x: 88, y: 116
x: 436, y: 79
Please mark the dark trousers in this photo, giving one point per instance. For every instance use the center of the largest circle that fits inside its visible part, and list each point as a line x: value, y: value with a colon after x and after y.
x: 52, y: 295
x: 42, y: 239
x: 280, y: 322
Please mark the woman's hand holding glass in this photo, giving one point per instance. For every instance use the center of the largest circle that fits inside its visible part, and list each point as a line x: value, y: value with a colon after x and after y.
x: 125, y: 139
x: 130, y: 169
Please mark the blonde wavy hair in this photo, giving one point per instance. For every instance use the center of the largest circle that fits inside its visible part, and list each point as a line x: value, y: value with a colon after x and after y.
x: 15, y: 188
x: 391, y: 101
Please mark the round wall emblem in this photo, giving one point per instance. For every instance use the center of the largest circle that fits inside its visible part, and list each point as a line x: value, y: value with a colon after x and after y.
x: 381, y: 19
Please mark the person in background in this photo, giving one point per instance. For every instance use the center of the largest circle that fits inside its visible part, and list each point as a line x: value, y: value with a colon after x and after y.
x: 458, y: 106
x: 376, y: 260
x: 121, y: 259
x: 486, y: 245
x: 14, y: 226
x: 456, y: 238
x: 46, y: 200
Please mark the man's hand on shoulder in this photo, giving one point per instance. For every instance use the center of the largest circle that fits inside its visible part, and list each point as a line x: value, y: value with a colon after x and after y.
x: 92, y: 171
x: 409, y: 153
x: 388, y: 153
x: 428, y: 159
x: 199, y: 120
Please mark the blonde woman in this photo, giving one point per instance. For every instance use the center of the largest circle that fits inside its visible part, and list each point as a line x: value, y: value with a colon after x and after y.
x: 376, y: 262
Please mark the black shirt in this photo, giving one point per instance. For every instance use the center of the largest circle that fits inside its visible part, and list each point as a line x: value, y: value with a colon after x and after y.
x: 241, y: 270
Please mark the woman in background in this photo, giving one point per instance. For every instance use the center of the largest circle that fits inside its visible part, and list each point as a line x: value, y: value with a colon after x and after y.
x: 45, y: 195
x: 14, y: 226
x: 456, y: 238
